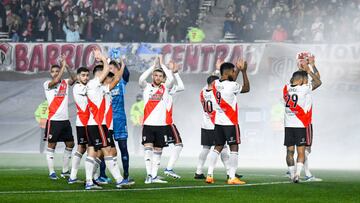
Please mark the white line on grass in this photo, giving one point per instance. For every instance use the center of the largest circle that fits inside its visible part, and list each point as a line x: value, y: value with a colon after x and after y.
x: 15, y: 169
x: 141, y: 189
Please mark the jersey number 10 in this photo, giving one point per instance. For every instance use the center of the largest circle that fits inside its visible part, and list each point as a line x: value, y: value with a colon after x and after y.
x: 207, y: 106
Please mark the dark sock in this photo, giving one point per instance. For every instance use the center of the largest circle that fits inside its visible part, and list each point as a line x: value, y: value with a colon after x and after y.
x: 124, y: 157
x: 102, y: 168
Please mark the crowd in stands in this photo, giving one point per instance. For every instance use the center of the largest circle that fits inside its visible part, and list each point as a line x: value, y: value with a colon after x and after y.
x: 102, y: 20
x: 301, y: 21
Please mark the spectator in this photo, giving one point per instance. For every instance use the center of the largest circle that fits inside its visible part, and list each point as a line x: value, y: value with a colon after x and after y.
x: 72, y: 34
x: 196, y: 35
x: 163, y: 29
x: 317, y: 30
x: 279, y: 34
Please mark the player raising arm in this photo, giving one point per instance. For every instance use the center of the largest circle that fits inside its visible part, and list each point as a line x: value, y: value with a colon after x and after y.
x: 58, y: 127
x: 226, y: 117
x: 156, y: 95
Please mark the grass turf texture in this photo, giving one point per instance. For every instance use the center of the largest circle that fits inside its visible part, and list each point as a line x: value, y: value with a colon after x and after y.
x: 338, y: 186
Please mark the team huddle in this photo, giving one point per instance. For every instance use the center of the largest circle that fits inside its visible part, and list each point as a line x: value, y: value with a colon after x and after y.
x: 102, y: 130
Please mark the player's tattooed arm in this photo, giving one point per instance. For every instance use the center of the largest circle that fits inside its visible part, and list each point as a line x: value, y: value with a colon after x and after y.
x: 315, y: 82
x: 117, y: 76
x: 311, y: 61
x: 101, y: 57
x: 146, y: 74
x: 241, y: 65
x: 57, y: 79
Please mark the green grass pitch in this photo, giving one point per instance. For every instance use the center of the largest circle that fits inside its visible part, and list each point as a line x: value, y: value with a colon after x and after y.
x: 31, y: 184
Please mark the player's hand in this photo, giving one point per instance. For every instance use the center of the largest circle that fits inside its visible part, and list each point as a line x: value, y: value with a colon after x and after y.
x: 218, y: 63
x: 122, y: 61
x: 98, y: 55
x: 241, y: 64
x: 175, y: 67
x: 311, y: 60
x: 63, y: 60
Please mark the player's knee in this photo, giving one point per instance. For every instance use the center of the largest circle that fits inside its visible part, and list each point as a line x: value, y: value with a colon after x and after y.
x: 234, y: 148
x: 70, y: 144
x: 81, y: 149
x: 51, y: 145
x: 218, y: 148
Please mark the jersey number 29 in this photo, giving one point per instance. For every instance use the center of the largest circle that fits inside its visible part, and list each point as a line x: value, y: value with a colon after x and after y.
x: 291, y: 101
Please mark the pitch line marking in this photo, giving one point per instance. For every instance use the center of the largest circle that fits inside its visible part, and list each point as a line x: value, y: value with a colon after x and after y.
x: 142, y: 189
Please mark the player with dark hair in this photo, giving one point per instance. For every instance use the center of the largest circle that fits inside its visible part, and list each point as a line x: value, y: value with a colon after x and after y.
x: 82, y: 118
x: 298, y: 110
x: 58, y: 127
x: 99, y: 143
x: 226, y: 118
x: 155, y: 128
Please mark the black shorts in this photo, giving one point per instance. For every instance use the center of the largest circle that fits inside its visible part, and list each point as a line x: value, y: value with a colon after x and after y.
x: 207, y: 137
x: 98, y: 136
x: 309, y: 135
x: 155, y: 135
x: 173, y: 135
x: 58, y: 131
x: 111, y: 135
x: 295, y: 136
x: 227, y: 133
x: 82, y: 137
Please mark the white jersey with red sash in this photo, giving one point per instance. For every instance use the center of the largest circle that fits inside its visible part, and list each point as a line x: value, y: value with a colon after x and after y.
x: 226, y: 103
x: 207, y: 101
x: 81, y: 102
x: 156, y: 100
x: 96, y: 99
x: 57, y: 97
x: 108, y: 108
x: 298, y: 105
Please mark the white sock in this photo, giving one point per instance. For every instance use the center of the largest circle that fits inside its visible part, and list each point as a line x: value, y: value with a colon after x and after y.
x: 202, y: 158
x: 292, y: 171
x: 66, y: 159
x: 174, y: 156
x: 50, y: 159
x: 306, y: 164
x: 233, y: 164
x: 75, y: 165
x: 148, y: 156
x: 89, y: 168
x: 213, y: 156
x: 155, y: 163
x: 224, y: 155
x: 96, y: 170
x: 116, y: 161
x: 299, y: 167
x: 115, y: 171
